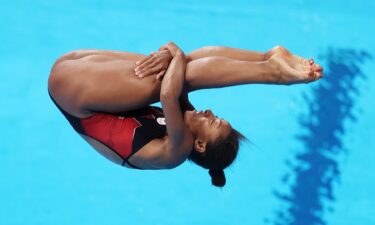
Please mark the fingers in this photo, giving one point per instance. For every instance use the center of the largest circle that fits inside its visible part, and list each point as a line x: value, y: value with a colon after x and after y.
x: 146, y: 67
x: 160, y: 74
x: 149, y: 72
x: 145, y: 59
x: 164, y: 47
x: 173, y: 48
x: 155, y: 56
x: 172, y: 44
x: 144, y: 63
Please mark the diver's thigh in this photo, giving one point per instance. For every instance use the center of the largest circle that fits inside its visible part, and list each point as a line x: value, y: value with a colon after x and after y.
x: 99, y: 84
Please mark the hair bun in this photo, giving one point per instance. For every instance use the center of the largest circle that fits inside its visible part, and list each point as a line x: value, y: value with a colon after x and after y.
x: 217, y: 177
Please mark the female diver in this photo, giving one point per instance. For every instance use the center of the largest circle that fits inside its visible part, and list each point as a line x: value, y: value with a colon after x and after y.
x: 105, y: 96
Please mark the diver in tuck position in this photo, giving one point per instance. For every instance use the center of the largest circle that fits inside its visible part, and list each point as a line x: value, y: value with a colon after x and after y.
x: 105, y: 95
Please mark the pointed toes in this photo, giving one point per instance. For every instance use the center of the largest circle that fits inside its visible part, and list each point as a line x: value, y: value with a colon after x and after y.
x: 318, y: 68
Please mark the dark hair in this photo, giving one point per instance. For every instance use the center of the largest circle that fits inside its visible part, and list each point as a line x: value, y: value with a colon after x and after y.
x: 218, y: 155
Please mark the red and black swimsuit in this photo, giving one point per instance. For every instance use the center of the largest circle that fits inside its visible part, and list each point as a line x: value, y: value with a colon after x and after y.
x: 124, y: 133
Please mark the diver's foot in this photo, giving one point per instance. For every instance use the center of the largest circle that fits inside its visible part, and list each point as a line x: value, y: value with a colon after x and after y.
x: 292, y: 69
x: 284, y: 51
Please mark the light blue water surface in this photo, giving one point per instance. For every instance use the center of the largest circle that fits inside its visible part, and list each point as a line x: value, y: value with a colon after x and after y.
x: 313, y: 159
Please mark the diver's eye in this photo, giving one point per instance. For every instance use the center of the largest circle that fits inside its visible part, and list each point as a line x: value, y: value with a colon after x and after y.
x: 212, y: 121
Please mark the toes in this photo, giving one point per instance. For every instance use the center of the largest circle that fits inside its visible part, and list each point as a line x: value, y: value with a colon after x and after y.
x: 318, y: 68
x: 316, y: 76
x: 309, y: 67
x: 310, y: 76
x: 307, y: 62
x: 315, y: 68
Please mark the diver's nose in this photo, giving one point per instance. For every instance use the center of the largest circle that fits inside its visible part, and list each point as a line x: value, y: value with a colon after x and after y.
x: 208, y: 112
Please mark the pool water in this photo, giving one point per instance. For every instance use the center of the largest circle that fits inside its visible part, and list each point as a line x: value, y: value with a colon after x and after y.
x: 312, y: 162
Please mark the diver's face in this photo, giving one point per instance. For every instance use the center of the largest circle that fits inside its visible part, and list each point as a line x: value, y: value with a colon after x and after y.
x: 206, y: 126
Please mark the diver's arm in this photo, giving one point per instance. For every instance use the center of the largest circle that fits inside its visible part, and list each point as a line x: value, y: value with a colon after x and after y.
x: 179, y: 138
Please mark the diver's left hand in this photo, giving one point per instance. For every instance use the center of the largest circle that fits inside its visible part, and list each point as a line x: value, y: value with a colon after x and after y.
x: 155, y: 64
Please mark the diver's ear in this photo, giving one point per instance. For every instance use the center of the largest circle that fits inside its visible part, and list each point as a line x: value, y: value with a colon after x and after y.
x: 199, y: 145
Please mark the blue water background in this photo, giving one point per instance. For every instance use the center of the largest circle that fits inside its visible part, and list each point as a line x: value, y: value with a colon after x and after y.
x: 314, y: 153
